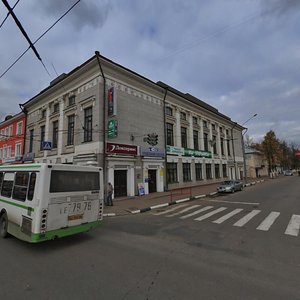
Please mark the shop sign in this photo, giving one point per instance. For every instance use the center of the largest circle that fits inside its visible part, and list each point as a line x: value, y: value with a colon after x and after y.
x: 113, y: 148
x: 188, y: 152
x: 112, y: 129
x: 152, y: 151
x: 197, y: 153
x: 175, y: 150
x: 29, y: 157
x: 112, y: 102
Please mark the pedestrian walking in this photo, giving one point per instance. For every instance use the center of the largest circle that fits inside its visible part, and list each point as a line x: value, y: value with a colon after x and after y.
x: 110, y: 190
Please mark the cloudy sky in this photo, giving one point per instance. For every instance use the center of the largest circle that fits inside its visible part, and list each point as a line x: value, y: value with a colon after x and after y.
x: 240, y: 56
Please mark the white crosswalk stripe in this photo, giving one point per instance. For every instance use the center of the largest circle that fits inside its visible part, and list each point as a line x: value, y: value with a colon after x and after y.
x: 227, y: 216
x: 268, y: 221
x: 247, y: 218
x: 196, y: 212
x: 293, y: 226
x: 183, y: 211
x: 292, y: 229
x: 210, y: 214
x: 170, y: 210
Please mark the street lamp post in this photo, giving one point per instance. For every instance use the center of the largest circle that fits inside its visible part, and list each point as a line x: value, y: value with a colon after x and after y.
x: 243, y: 148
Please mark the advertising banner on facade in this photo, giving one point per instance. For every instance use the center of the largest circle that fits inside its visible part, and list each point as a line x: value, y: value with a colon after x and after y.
x: 153, y: 152
x: 112, y: 102
x: 113, y: 148
x: 188, y: 152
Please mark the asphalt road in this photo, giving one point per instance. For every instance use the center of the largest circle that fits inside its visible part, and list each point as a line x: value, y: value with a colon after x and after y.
x: 170, y: 255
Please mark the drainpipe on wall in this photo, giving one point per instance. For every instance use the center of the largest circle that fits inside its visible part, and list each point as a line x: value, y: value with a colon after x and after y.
x: 104, y: 123
x: 165, y: 141
x: 24, y: 110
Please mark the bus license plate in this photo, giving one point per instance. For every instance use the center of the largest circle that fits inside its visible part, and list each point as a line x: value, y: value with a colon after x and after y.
x: 77, y: 208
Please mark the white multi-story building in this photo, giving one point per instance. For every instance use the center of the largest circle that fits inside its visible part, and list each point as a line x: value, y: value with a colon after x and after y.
x: 145, y: 135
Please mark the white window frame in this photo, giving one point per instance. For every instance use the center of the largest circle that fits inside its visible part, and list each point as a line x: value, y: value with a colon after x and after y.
x: 18, y: 148
x: 19, y: 127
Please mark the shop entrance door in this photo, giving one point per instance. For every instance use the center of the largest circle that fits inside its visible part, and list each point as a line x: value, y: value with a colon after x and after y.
x: 152, y: 181
x: 120, y: 180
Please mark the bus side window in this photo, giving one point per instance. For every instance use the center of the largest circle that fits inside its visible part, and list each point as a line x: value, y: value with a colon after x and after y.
x: 21, y: 185
x: 31, y: 186
x: 7, y: 184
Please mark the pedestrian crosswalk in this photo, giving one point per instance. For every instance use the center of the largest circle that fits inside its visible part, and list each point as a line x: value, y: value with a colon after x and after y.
x: 241, y: 217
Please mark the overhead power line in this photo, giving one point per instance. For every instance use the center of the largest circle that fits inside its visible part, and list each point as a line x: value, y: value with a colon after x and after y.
x: 9, y: 13
x: 20, y: 56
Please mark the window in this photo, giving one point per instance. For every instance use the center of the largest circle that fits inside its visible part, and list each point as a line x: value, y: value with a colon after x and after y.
x: 70, y: 138
x: 196, y: 139
x: 170, y: 136
x: 198, y: 169
x: 172, y: 172
x: 31, y: 135
x: 222, y: 146
x: 55, y: 107
x: 227, y: 132
x: 208, y: 171
x: 8, y: 154
x: 183, y: 137
x: 43, y: 114
x: 186, y: 170
x: 1, y: 153
x: 2, y: 134
x: 183, y: 116
x: 213, y: 126
x: 224, y: 167
x: 214, y: 142
x: 42, y: 137
x: 205, y: 141
x: 217, y: 171
x: 19, y: 128
x: 169, y: 111
x: 221, y: 130
x: 73, y: 181
x: 88, y: 121
x: 228, y: 147
x: 31, y: 186
x: 18, y: 150
x: 195, y: 120
x: 55, y: 134
x: 20, y: 187
x: 205, y: 124
x: 6, y: 132
x: 4, y: 152
x: 71, y: 100
x: 7, y: 184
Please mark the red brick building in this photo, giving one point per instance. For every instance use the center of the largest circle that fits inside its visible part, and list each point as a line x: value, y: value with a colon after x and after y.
x: 12, y: 138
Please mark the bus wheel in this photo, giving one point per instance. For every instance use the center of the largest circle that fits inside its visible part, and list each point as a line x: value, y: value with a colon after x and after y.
x: 3, y: 226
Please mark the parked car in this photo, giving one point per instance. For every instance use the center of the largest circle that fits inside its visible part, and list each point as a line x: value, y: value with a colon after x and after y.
x: 288, y: 173
x: 230, y: 186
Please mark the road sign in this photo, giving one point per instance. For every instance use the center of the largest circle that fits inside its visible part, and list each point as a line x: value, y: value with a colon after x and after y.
x: 46, y: 145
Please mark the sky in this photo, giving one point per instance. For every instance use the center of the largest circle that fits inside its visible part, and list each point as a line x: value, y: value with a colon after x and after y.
x: 240, y: 56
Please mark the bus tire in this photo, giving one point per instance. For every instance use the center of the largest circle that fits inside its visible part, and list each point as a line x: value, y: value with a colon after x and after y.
x: 3, y: 226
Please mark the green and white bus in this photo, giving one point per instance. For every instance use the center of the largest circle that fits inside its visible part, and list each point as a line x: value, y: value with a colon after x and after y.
x: 40, y: 202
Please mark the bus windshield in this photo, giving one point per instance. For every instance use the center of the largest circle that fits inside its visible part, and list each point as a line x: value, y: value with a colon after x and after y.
x: 73, y: 181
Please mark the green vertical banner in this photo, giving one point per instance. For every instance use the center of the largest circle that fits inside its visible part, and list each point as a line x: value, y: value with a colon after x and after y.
x: 112, y: 131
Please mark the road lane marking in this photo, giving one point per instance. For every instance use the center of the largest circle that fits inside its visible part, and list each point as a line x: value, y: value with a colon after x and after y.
x: 183, y: 211
x: 294, y: 225
x: 268, y: 221
x: 210, y: 214
x: 170, y: 210
x: 227, y: 216
x: 197, y: 212
x: 247, y: 218
x: 234, y: 202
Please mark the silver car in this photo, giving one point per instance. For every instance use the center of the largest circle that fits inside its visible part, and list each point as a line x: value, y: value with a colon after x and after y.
x: 230, y: 186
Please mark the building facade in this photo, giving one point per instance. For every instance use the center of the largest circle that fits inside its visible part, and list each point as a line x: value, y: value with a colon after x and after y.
x: 147, y: 136
x: 12, y: 133
x: 256, y: 163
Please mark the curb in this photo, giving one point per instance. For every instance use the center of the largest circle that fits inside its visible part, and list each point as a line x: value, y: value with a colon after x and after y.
x: 142, y: 210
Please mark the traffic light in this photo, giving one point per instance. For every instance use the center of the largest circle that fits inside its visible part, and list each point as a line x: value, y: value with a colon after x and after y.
x: 152, y: 139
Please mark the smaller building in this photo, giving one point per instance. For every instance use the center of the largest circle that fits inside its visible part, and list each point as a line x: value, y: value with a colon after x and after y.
x: 256, y: 163
x: 12, y: 138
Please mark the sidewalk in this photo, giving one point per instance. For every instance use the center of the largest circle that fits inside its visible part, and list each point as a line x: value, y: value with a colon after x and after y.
x: 140, y: 204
